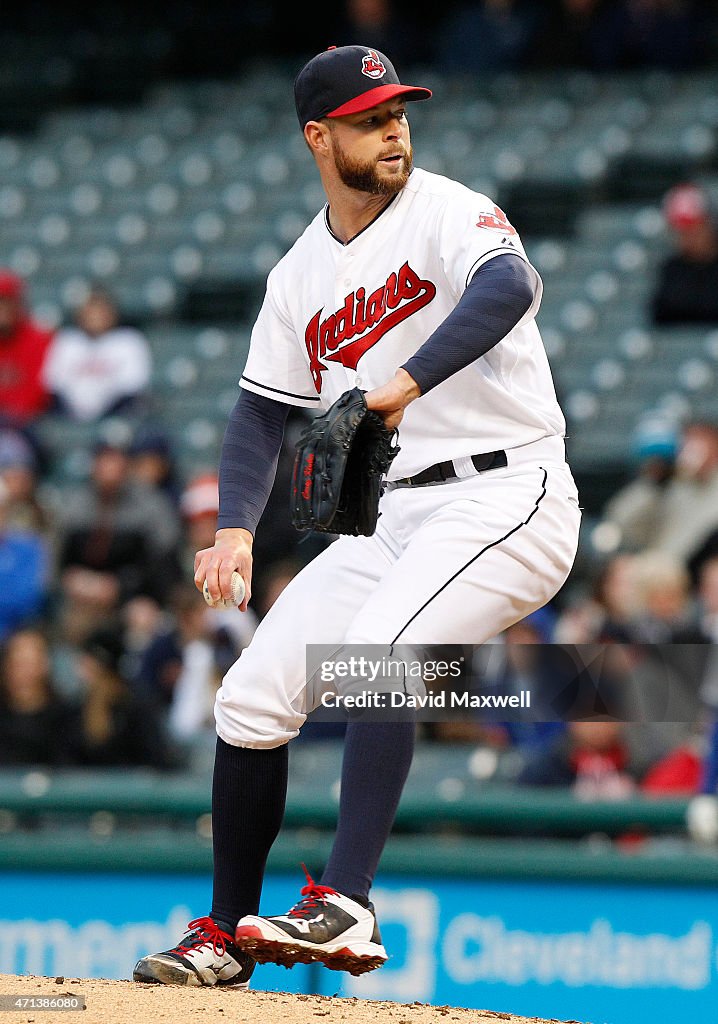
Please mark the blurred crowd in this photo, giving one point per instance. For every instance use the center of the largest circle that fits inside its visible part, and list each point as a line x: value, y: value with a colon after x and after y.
x: 110, y: 657
x: 116, y: 47
x: 600, y: 35
x: 109, y: 654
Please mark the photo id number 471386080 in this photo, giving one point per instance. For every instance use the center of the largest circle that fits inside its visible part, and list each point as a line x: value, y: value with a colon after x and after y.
x: 54, y: 1003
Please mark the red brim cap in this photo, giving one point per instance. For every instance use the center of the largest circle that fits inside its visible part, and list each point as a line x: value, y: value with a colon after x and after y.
x: 346, y: 80
x: 381, y: 94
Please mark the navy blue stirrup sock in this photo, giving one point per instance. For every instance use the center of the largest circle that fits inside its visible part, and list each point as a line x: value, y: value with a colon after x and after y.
x: 377, y: 758
x: 249, y: 791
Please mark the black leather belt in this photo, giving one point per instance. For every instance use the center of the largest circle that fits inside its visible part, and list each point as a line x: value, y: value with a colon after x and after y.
x: 447, y: 471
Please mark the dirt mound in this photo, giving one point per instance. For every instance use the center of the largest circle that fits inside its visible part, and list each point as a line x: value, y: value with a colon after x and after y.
x: 125, y: 1002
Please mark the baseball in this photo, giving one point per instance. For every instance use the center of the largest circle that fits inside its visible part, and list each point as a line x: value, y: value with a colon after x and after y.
x: 238, y: 591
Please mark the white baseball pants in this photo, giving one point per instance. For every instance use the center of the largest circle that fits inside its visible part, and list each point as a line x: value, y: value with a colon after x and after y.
x: 449, y: 563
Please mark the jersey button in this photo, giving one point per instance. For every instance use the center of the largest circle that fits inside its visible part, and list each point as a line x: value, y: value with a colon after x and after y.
x: 347, y: 281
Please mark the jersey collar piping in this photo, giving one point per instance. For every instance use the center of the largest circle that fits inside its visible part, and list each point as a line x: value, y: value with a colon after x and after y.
x: 366, y: 226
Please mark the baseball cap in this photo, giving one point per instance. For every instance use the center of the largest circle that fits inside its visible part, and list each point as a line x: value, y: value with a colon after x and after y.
x: 686, y: 206
x: 654, y: 436
x: 151, y: 440
x: 11, y: 286
x: 15, y: 451
x: 346, y: 80
x: 201, y: 497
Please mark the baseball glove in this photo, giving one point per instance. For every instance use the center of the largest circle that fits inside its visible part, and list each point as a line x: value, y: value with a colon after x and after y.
x: 341, y: 459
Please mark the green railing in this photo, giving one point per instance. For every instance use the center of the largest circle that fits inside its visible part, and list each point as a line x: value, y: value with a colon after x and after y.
x: 151, y: 851
x: 139, y: 821
x: 487, y: 809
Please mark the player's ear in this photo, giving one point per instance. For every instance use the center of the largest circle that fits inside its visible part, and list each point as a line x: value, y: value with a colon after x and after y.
x: 315, y: 136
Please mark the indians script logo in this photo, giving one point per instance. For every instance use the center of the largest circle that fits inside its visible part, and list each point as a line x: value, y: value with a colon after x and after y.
x: 372, y: 66
x: 363, y: 320
x: 496, y: 220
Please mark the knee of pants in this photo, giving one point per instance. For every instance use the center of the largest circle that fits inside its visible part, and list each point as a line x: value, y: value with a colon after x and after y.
x: 254, y: 710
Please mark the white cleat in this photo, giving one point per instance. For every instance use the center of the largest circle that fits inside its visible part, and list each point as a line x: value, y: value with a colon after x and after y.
x: 205, y: 956
x: 324, y: 927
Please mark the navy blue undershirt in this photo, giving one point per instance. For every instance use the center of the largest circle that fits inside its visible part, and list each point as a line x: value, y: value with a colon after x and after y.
x: 497, y: 297
x: 248, y: 463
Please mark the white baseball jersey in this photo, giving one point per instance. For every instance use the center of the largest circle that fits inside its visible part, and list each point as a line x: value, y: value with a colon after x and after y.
x: 337, y: 315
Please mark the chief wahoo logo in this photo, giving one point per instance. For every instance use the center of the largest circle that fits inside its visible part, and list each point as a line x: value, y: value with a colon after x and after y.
x: 372, y: 65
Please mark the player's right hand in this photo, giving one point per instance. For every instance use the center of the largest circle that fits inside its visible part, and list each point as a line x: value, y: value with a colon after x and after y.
x: 392, y: 398
x: 232, y: 550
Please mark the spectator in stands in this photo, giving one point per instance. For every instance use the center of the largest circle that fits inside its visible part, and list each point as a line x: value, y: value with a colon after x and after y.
x: 272, y: 583
x: 24, y: 572
x: 185, y: 661
x: 23, y: 349
x: 689, y: 504
x: 199, y: 505
x: 276, y: 543
x: 118, y: 539
x: 635, y: 509
x: 33, y: 719
x: 190, y: 621
x: 687, y: 289
x: 153, y: 463
x: 208, y: 648
x: 25, y: 507
x: 568, y: 35
x: 706, y: 552
x: 160, y: 665
x: 113, y: 726
x: 665, y: 610
x: 648, y: 34
x: 486, y: 37
x: 98, y: 367
x: 708, y: 675
x: 679, y: 516
x: 604, y: 614
x: 519, y: 661
x: 379, y: 24
x: 591, y: 757
x: 708, y: 598
x: 607, y: 760
x: 142, y: 619
x: 678, y: 773
x: 276, y: 539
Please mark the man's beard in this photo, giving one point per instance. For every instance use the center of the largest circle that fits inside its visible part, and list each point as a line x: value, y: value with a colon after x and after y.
x: 364, y: 176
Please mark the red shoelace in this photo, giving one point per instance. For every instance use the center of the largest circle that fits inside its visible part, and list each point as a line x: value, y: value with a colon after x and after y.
x: 314, y: 894
x: 207, y: 931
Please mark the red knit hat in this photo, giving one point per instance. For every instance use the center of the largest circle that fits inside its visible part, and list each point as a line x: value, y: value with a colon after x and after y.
x: 686, y: 206
x: 11, y: 285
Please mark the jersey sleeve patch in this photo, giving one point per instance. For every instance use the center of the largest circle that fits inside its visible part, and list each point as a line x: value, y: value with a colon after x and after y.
x: 496, y: 221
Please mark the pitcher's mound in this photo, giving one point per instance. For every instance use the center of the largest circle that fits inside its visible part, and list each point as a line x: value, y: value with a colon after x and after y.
x: 127, y: 1002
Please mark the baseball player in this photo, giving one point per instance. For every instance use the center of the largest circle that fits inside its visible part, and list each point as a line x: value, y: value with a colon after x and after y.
x: 418, y: 291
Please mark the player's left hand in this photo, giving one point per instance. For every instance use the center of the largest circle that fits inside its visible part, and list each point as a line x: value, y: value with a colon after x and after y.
x: 391, y: 399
